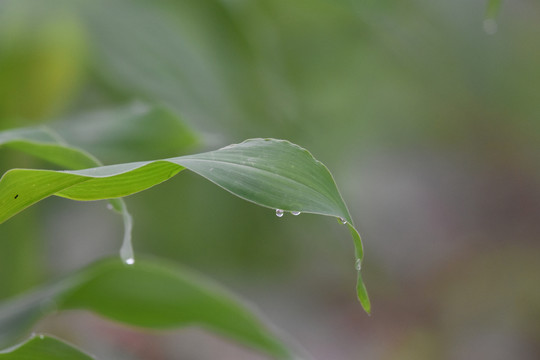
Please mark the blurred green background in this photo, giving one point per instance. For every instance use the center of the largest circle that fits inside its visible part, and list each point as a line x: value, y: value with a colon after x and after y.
x: 426, y: 112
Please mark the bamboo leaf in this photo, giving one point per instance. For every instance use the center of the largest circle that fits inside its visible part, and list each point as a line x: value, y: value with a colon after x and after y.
x: 268, y: 172
x: 45, y: 144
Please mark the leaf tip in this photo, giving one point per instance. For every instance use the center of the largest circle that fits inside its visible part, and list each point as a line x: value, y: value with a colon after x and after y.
x: 363, y: 296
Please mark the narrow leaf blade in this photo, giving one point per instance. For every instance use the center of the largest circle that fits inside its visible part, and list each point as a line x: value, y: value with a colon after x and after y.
x: 149, y: 294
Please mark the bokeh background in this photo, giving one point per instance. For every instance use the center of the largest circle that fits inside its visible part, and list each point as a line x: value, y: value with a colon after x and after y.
x: 427, y: 112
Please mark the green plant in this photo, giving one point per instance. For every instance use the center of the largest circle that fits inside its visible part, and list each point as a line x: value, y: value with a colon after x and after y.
x: 152, y: 293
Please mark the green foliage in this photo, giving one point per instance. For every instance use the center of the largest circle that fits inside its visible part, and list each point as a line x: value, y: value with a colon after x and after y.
x: 268, y: 172
x: 426, y: 112
x: 151, y: 294
x: 60, y: 61
x: 42, y: 55
x: 492, y: 9
x: 137, y: 131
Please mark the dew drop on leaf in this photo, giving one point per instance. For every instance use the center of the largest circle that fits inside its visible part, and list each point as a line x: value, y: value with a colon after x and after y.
x: 490, y: 26
x: 279, y: 212
x: 130, y: 261
x: 295, y: 213
x: 342, y: 221
x: 358, y: 264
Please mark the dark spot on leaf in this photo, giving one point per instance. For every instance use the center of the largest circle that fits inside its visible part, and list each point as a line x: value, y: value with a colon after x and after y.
x: 16, y: 196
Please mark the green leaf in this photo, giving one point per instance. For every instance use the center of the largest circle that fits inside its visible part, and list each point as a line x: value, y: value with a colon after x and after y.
x: 133, y: 131
x: 492, y: 9
x: 44, y: 348
x: 268, y: 172
x: 143, y: 49
x: 149, y: 294
x: 136, y: 131
x: 492, y: 12
x: 45, y: 144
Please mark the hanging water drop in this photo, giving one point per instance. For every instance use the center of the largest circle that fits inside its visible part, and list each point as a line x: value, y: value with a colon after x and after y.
x: 358, y: 265
x: 342, y: 221
x: 279, y: 212
x: 126, y: 251
x: 490, y: 26
x: 110, y: 207
x: 295, y: 213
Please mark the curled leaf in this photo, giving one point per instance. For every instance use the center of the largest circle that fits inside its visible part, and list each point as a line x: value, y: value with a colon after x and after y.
x: 268, y: 172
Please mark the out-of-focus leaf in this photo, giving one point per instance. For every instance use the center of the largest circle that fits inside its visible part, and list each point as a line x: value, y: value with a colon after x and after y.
x: 44, y: 348
x: 149, y: 294
x: 144, y: 50
x: 268, y: 172
x: 45, y: 144
x: 136, y: 131
x: 42, y: 48
x: 492, y: 9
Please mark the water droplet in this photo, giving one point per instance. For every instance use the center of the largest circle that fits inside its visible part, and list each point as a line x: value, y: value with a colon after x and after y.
x: 342, y: 221
x: 358, y: 264
x: 41, y: 336
x: 490, y: 26
x: 110, y: 207
x: 279, y: 212
x: 295, y: 213
x: 126, y: 251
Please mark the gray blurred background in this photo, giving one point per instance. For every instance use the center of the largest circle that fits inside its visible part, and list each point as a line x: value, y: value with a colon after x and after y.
x: 426, y: 112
